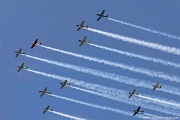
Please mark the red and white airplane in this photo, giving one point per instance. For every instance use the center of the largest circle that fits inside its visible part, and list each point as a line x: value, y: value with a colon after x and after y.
x: 35, y: 43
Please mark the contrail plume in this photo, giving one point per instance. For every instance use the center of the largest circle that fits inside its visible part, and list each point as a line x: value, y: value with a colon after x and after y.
x: 151, y: 73
x: 119, y: 98
x: 94, y: 105
x: 156, y: 46
x: 66, y: 115
x: 143, y: 57
x: 116, y: 94
x: 118, y: 78
x: 177, y: 105
x: 146, y: 29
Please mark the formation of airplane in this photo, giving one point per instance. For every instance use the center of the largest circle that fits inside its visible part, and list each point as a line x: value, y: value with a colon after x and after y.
x: 133, y: 93
x: 44, y: 92
x: 64, y: 84
x: 81, y: 26
x: 83, y: 41
x: 46, y: 109
x: 21, y: 67
x: 35, y: 43
x: 156, y: 86
x: 137, y: 111
x: 102, y: 15
x: 19, y: 52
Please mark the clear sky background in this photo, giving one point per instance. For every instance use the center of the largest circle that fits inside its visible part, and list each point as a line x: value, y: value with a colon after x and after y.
x: 53, y: 23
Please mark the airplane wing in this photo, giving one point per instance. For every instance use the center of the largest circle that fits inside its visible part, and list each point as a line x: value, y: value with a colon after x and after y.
x: 62, y: 86
x: 17, y: 54
x: 19, y: 69
x: 103, y: 12
x: 32, y: 46
x: 81, y: 43
x: 99, y: 18
x: 135, y: 113
x: 130, y: 95
x: 42, y: 94
x: 44, y: 111
x: 78, y: 28
x: 138, y: 108
x: 82, y: 23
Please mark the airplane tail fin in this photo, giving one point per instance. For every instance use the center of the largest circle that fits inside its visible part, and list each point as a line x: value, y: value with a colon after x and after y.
x: 39, y: 43
x: 88, y: 41
x: 107, y: 16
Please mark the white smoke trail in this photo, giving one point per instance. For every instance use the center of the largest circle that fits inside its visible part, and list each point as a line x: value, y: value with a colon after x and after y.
x: 118, y: 98
x: 157, y: 46
x: 146, y: 29
x: 155, y: 60
x: 160, y: 101
x: 126, y: 80
x: 118, y: 95
x: 151, y: 73
x: 93, y: 105
x: 66, y: 115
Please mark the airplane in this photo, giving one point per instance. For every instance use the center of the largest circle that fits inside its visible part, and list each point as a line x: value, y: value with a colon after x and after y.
x: 102, y: 15
x: 83, y: 41
x: 137, y: 111
x: 21, y: 67
x: 64, y: 84
x: 156, y: 86
x: 44, y: 92
x: 81, y: 26
x: 46, y: 109
x: 19, y: 52
x: 35, y: 43
x: 133, y: 93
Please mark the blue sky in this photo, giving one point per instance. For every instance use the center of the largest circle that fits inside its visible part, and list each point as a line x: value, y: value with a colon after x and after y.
x: 53, y: 23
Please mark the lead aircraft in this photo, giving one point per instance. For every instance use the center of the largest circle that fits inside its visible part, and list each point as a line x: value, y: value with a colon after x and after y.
x: 102, y: 15
x: 64, y: 84
x: 19, y: 52
x: 83, y: 41
x: 46, y: 109
x: 137, y: 111
x: 44, y: 92
x: 81, y: 26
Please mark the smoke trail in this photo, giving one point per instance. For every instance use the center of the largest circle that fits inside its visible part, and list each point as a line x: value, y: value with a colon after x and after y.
x: 119, y: 95
x: 119, y: 98
x: 155, y: 60
x: 123, y: 79
x: 160, y: 101
x: 94, y: 105
x: 146, y: 29
x: 67, y: 116
x: 151, y: 73
x: 157, y: 46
